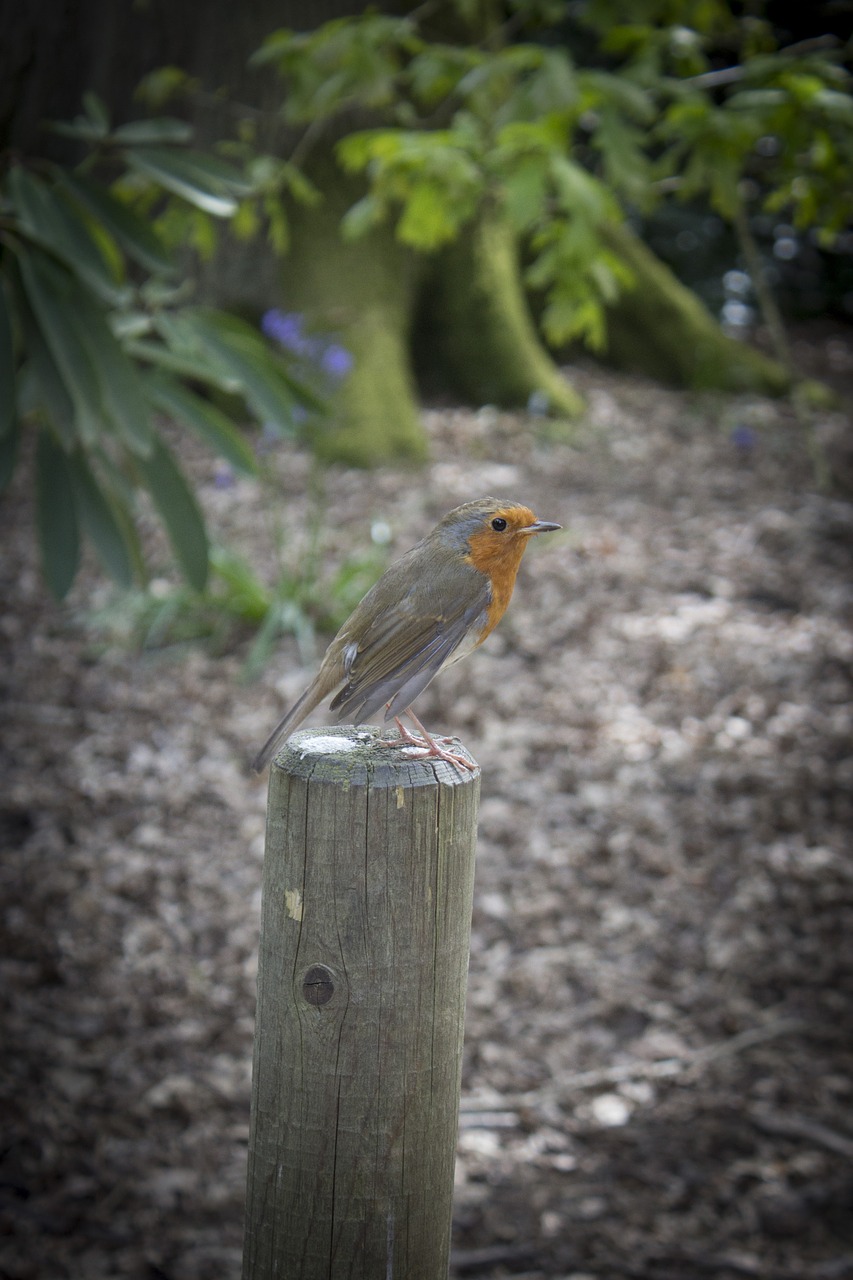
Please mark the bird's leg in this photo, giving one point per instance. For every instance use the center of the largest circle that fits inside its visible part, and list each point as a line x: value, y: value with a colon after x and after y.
x: 428, y: 745
x: 406, y: 738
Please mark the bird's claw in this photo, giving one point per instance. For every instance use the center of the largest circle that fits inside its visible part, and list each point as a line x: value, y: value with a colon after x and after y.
x: 435, y: 752
x: 428, y: 748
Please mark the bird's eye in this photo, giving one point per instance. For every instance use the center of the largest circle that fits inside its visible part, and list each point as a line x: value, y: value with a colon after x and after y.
x: 499, y: 524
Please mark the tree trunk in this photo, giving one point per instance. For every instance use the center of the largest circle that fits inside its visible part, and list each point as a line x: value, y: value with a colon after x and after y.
x: 662, y: 329
x: 474, y: 331
x: 476, y: 327
x: 363, y: 292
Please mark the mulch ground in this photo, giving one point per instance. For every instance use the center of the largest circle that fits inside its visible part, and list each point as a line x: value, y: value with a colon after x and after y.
x: 659, y: 1042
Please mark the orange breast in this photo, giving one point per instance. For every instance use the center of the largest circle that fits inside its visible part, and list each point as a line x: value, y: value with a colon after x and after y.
x: 498, y: 556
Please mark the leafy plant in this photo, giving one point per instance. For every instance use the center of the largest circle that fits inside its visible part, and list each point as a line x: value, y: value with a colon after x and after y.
x: 470, y: 124
x: 672, y: 97
x: 303, y: 599
x: 98, y: 341
x: 742, y: 123
x: 235, y: 600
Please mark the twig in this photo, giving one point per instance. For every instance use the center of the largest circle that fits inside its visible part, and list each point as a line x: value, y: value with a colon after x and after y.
x: 741, y: 1264
x: 802, y: 1127
x: 760, y: 283
x: 731, y: 75
x: 489, y: 1256
x: 662, y: 1069
x: 746, y: 1040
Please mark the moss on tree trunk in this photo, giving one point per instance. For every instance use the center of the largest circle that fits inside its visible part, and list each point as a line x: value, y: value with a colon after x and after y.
x: 660, y: 328
x: 363, y: 293
x: 476, y: 326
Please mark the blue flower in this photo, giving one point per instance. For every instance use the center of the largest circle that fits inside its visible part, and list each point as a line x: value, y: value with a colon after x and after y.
x: 285, y: 328
x: 743, y: 438
x: 336, y: 360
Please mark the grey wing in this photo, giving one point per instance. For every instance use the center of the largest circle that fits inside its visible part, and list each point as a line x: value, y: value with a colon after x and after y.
x: 400, y: 658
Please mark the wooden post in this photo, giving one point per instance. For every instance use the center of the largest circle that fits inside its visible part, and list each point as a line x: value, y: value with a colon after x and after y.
x: 365, y: 936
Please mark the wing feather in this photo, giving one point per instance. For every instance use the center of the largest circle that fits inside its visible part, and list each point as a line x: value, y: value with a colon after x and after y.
x: 405, y: 647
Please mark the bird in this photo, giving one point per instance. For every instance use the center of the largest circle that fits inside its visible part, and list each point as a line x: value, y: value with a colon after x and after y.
x: 431, y: 607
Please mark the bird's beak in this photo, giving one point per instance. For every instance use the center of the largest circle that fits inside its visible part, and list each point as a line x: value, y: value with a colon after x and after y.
x: 540, y: 526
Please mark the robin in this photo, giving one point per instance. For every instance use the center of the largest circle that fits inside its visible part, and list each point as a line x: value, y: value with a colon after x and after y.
x: 430, y: 608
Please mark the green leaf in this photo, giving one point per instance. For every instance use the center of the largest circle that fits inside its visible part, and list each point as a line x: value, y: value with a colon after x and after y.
x: 247, y: 595
x: 101, y: 522
x: 205, y: 419
x: 122, y: 495
x: 835, y: 104
x: 581, y: 193
x: 634, y: 101
x: 525, y: 192
x: 345, y: 62
x: 92, y: 127
x: 7, y: 366
x: 158, y: 86
x: 59, y: 535
x: 196, y: 179
x: 181, y: 514
x: 626, y: 166
x: 299, y: 185
x: 102, y: 382
x: 122, y: 506
x: 42, y: 389
x: 244, y: 225
x: 9, y: 449
x: 81, y: 129
x: 96, y: 109
x: 274, y: 46
x: 49, y: 291
x: 47, y: 218
x: 134, y: 235
x: 356, y: 150
x: 279, y: 228
x: 362, y: 217
x: 218, y: 171
x: 239, y: 352
x: 140, y: 133
x: 122, y: 391
x: 195, y: 367
x: 756, y: 99
x: 429, y: 219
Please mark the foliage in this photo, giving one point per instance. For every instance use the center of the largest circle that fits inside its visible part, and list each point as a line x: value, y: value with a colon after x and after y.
x: 470, y: 125
x: 267, y: 177
x: 235, y: 600
x: 97, y: 339
x: 684, y: 97
x: 782, y: 117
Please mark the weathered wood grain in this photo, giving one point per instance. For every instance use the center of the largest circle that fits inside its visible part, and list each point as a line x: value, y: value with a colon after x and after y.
x: 368, y: 881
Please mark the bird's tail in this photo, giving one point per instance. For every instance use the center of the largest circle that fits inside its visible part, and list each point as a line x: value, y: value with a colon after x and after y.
x: 291, y: 720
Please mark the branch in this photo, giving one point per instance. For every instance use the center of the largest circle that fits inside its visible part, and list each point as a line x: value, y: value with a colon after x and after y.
x: 662, y: 1069
x: 730, y: 75
x: 802, y: 1127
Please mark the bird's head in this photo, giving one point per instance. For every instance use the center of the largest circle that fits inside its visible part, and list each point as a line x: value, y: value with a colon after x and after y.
x: 491, y: 533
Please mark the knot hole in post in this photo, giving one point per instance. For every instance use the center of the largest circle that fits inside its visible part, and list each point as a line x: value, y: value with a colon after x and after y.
x: 318, y: 985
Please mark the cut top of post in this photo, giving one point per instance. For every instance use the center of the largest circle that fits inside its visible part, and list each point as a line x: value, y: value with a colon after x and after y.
x: 359, y: 755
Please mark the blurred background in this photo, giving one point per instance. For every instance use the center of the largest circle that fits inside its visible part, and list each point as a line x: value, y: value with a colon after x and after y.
x: 277, y: 290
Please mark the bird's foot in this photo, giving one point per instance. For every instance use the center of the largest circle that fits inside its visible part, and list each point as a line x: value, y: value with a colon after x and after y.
x: 429, y: 748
